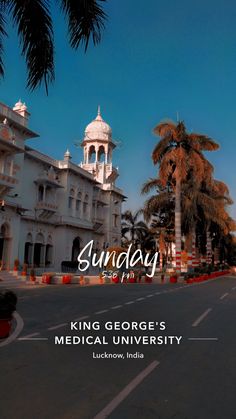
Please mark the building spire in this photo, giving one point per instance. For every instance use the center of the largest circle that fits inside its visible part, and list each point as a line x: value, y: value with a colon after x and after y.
x: 99, y: 110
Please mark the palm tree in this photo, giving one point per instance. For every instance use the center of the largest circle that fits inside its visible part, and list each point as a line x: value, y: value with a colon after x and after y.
x: 159, y: 209
x: 179, y: 155
x: 132, y: 226
x: 33, y: 21
x: 203, y: 207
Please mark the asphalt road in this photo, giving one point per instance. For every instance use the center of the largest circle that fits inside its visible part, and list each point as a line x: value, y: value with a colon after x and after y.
x: 192, y: 380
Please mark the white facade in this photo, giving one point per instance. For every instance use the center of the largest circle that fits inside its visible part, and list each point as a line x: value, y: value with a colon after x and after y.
x: 51, y: 208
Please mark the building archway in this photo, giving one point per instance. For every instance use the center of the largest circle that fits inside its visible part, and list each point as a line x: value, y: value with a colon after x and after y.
x: 75, y: 249
x: 4, y: 245
x: 39, y: 250
x: 28, y: 249
x: 49, y: 251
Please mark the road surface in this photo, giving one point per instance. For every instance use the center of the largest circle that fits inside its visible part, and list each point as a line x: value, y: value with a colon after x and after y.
x: 192, y: 380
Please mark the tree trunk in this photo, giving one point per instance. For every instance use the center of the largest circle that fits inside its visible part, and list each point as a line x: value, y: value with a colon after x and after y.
x: 216, y: 255
x: 161, y: 260
x: 178, y: 225
x: 209, y: 248
x: 188, y: 249
x: 194, y: 252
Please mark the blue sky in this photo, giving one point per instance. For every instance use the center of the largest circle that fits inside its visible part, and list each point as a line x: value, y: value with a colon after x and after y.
x: 156, y: 59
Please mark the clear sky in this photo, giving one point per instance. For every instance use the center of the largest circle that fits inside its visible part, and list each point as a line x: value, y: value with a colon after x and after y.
x: 156, y: 58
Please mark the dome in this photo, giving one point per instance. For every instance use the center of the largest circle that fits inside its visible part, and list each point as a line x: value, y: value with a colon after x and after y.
x: 98, y: 129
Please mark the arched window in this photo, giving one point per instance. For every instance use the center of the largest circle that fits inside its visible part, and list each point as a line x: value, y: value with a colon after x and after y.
x: 4, y: 244
x: 71, y: 198
x: 75, y: 249
x: 92, y: 154
x: 39, y: 250
x: 78, y: 203
x: 40, y: 193
x: 115, y: 220
x: 101, y: 153
x: 49, y: 251
x: 28, y: 249
x: 85, y: 206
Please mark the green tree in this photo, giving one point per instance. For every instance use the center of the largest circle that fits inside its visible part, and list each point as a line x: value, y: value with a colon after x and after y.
x: 180, y: 157
x: 132, y: 227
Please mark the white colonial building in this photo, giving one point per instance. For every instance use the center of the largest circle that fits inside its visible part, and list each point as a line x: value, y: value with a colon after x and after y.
x: 50, y: 209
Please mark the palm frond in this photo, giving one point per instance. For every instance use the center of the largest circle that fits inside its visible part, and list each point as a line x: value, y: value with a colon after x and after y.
x: 2, y: 34
x: 205, y: 142
x: 127, y: 216
x: 221, y: 187
x: 34, y: 27
x: 162, y: 147
x: 85, y: 20
x: 152, y: 183
x: 165, y: 129
x: 156, y: 203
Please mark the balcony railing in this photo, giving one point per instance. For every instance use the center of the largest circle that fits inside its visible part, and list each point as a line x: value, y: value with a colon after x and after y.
x: 7, y: 180
x: 48, y: 206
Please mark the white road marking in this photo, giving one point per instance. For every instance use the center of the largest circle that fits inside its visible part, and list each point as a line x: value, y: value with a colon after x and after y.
x: 115, y: 307
x: 140, y: 299
x: 157, y: 293
x: 18, y: 329
x: 224, y: 295
x: 129, y: 302
x: 81, y: 318
x: 200, y: 318
x: 234, y: 288
x: 126, y: 391
x: 101, y: 311
x: 31, y: 335
x: 22, y: 339
x: 203, y: 339
x: 150, y: 295
x: 57, y: 326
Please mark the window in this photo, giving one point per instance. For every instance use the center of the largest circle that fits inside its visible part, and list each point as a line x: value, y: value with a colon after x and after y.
x: 116, y: 219
x: 70, y: 201
x: 78, y: 203
x: 85, y: 206
x: 40, y: 192
x: 71, y: 198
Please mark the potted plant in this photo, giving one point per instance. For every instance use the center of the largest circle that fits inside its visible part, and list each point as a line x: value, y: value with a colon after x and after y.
x: 148, y: 279
x: 8, y: 301
x: 16, y: 265
x: 81, y: 280
x: 115, y: 278
x: 24, y: 271
x: 173, y: 278
x: 132, y: 278
x: 101, y: 278
x: 66, y: 279
x: 32, y: 275
x: 47, y: 277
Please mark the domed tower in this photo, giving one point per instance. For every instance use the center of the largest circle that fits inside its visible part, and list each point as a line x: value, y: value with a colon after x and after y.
x: 98, y: 147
